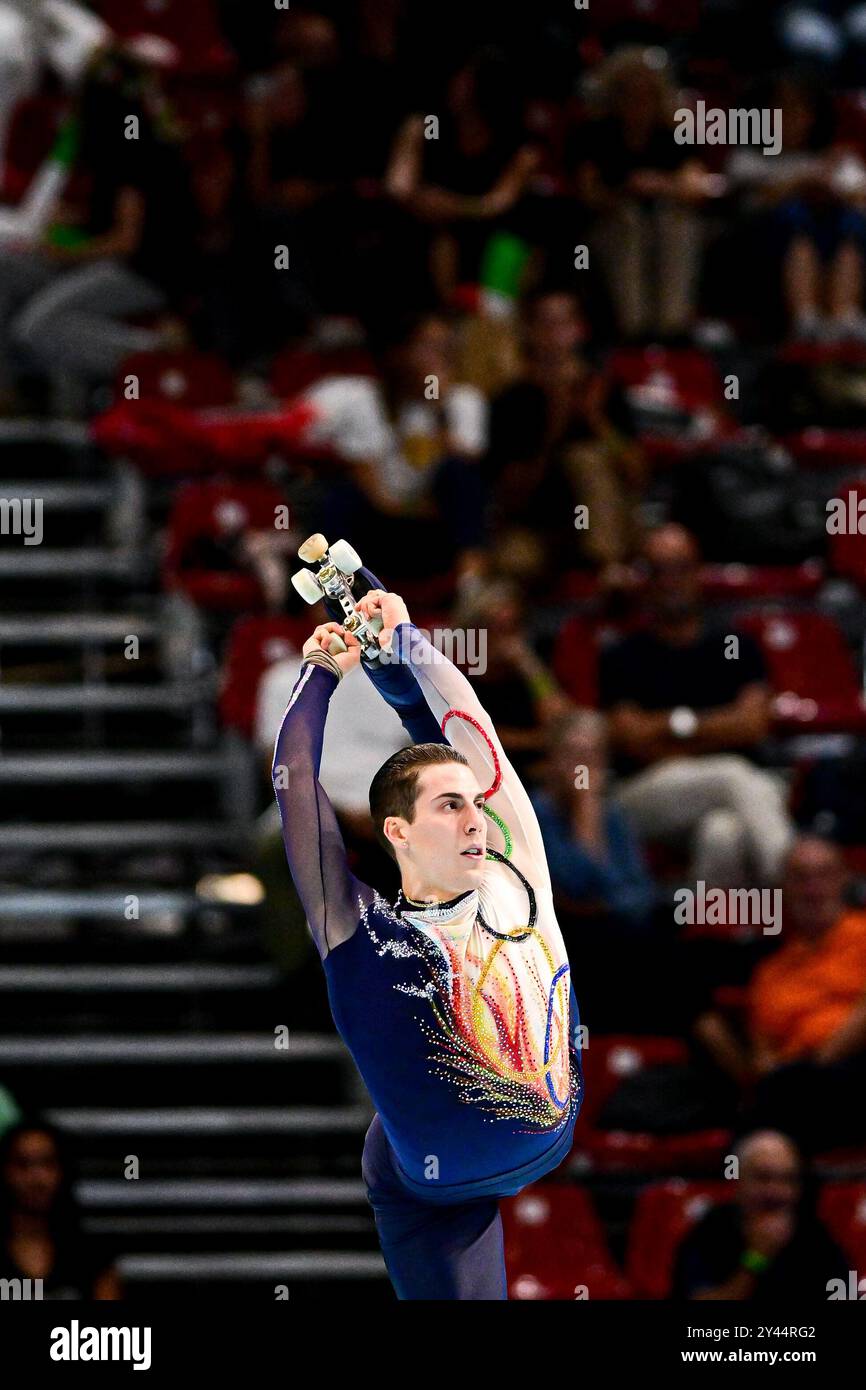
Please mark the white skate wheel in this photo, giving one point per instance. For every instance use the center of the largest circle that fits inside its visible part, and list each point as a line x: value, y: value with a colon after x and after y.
x: 313, y: 549
x: 376, y: 624
x: 307, y: 586
x: 336, y: 644
x: 345, y: 557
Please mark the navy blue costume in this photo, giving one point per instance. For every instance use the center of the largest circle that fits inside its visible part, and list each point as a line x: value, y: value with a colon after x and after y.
x: 461, y: 1016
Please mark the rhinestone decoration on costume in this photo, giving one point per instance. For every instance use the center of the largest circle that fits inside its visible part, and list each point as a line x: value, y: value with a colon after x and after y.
x: 497, y: 1005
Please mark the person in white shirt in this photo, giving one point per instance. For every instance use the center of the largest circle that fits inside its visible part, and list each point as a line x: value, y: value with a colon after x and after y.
x: 411, y: 441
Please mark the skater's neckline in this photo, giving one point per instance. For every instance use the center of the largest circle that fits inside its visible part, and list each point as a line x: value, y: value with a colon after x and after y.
x: 436, y: 912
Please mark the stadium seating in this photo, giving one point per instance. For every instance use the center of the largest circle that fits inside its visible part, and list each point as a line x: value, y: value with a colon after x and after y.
x: 664, y: 1214
x: 218, y: 511
x: 33, y: 130
x: 254, y: 645
x: 194, y: 380
x: 811, y: 670
x: 607, y: 1061
x: 848, y: 552
x: 295, y: 370
x: 842, y: 1208
x: 190, y: 26
x: 677, y: 399
x: 555, y: 1246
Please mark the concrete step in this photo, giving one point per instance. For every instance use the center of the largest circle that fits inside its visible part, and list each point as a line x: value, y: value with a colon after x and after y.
x: 50, y: 768
x: 121, y: 979
x: 119, y: 838
x: 34, y: 562
x: 171, y: 1049
x: 76, y: 629
x: 73, y: 699
x: 198, y: 1120
x: 241, y: 1194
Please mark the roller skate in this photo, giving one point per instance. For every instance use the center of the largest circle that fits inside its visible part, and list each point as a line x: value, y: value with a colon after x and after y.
x: 339, y: 581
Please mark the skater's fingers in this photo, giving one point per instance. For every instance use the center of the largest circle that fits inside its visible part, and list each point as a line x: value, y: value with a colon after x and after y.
x: 321, y: 636
x: 371, y: 603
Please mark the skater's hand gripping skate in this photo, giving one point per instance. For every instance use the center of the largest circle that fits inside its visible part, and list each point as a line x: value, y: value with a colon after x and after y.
x: 391, y: 609
x: 337, y: 642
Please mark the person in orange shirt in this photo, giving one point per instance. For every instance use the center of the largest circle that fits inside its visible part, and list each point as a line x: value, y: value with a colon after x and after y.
x: 805, y: 1059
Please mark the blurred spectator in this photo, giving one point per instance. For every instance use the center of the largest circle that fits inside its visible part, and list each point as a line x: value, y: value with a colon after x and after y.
x: 513, y: 684
x: 297, y: 175
x: 595, y: 859
x: 766, y: 1245
x: 645, y: 191
x: 465, y: 177
x: 559, y: 437
x: 119, y: 248
x: 40, y: 1229
x: 829, y: 36
x: 806, y: 1047
x: 685, y: 712
x: 61, y: 32
x: 806, y: 208
x: 410, y: 443
x: 9, y: 1111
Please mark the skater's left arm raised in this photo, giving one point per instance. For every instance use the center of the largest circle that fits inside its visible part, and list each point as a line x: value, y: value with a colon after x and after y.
x: 328, y: 890
x: 445, y: 689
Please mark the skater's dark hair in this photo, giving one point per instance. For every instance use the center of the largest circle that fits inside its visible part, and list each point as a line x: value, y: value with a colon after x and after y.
x: 394, y: 789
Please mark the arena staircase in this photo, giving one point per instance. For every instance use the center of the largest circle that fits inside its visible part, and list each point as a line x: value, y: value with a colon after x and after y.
x: 139, y: 1009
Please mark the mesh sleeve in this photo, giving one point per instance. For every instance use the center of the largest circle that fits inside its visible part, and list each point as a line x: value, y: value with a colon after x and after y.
x: 399, y: 688
x: 445, y: 688
x: 315, y: 850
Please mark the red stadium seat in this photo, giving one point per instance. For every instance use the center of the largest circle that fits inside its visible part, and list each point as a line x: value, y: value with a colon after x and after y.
x: 677, y: 396
x: 166, y: 440
x: 842, y: 1208
x: 194, y: 380
x: 575, y: 661
x: 823, y: 448
x: 219, y: 512
x: 607, y: 1061
x: 811, y: 670
x: 555, y: 1245
x: 848, y: 552
x: 255, y: 644
x: 296, y: 370
x: 579, y: 586
x: 30, y: 138
x: 190, y: 26
x: 668, y: 16
x: 851, y: 120
x: 664, y: 1214
x: 727, y: 583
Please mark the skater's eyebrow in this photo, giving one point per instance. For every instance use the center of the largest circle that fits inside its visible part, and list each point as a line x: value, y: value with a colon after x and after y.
x: 457, y: 796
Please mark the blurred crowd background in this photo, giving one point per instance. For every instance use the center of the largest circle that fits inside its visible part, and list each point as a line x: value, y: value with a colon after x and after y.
x: 444, y: 283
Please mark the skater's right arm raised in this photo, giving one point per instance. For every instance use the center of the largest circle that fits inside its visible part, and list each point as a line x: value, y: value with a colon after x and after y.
x: 445, y: 688
x: 315, y: 851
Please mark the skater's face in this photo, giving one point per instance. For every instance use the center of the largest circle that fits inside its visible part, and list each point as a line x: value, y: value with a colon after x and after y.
x: 441, y: 851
